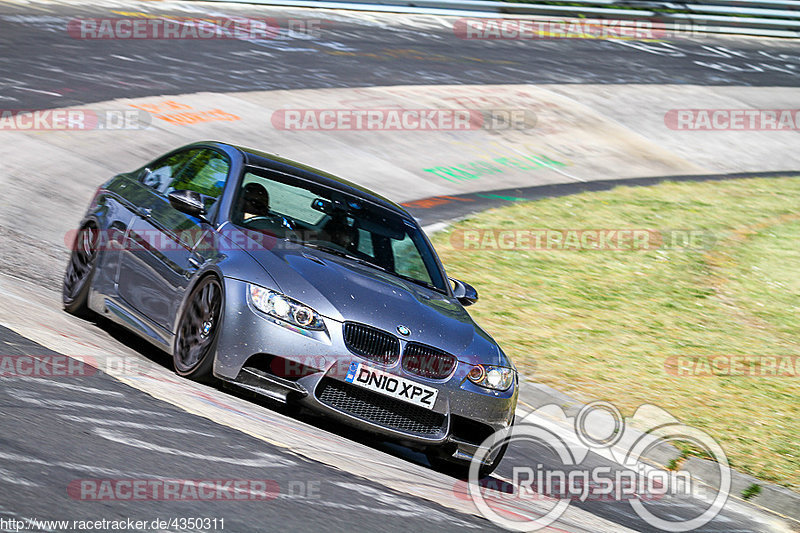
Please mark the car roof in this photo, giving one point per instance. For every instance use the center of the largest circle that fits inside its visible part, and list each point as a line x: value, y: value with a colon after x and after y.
x: 266, y: 160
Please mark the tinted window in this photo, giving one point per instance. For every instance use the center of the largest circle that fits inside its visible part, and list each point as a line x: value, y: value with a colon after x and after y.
x: 160, y: 174
x: 201, y: 170
x: 284, y: 199
x: 337, y: 223
x: 205, y: 173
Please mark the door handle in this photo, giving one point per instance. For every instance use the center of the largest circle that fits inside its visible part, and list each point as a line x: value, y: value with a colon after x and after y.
x: 145, y: 212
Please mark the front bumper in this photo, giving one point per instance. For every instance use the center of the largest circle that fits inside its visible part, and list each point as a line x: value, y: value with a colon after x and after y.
x: 272, y: 358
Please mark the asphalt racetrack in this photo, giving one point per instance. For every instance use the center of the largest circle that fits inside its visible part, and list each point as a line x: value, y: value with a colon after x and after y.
x: 50, y: 69
x: 304, y: 473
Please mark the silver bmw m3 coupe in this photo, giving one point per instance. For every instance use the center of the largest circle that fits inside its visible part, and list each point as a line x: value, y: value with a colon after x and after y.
x: 297, y: 285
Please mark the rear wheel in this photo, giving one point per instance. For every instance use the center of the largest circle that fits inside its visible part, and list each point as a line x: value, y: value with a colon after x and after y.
x: 80, y: 271
x: 198, y: 330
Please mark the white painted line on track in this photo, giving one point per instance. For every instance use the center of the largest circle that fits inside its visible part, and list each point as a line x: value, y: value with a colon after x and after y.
x: 67, y: 404
x: 10, y: 477
x: 63, y: 385
x: 261, y: 459
x: 133, y: 425
x: 17, y: 458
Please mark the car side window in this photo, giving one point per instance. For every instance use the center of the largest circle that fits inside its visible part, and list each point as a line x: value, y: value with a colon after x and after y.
x: 160, y: 174
x: 201, y: 170
x: 205, y: 173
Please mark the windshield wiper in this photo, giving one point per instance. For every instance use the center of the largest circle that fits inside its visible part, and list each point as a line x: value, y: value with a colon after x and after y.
x: 341, y: 253
x: 418, y: 282
x: 366, y: 262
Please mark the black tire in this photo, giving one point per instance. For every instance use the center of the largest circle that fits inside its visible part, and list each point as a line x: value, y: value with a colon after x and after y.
x: 441, y: 462
x: 80, y: 271
x: 198, y: 330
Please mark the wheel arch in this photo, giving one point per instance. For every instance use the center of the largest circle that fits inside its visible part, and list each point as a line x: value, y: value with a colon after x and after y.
x: 209, y: 271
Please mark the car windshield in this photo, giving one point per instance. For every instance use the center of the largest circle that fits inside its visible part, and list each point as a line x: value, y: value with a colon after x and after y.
x: 337, y: 223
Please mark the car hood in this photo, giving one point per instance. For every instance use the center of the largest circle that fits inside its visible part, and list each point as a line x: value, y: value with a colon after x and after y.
x: 344, y: 290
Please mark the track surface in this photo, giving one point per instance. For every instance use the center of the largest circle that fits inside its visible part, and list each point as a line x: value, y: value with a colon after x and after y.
x: 48, y: 68
x: 57, y: 431
x: 94, y: 427
x: 91, y: 416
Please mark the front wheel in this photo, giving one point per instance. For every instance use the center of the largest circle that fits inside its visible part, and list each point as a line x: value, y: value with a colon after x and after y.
x: 198, y: 329
x: 460, y: 469
x: 80, y: 270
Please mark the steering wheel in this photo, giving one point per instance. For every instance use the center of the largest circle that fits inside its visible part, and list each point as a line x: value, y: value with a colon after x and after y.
x: 272, y: 217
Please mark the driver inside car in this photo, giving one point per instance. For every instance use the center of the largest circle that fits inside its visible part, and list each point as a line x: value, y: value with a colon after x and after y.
x: 339, y: 232
x: 254, y: 201
x: 254, y: 206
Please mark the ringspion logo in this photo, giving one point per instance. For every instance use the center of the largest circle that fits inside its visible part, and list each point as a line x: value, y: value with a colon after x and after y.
x: 598, y: 427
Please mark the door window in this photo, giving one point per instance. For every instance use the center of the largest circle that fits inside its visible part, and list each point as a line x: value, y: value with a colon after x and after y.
x: 160, y: 174
x: 200, y: 170
x: 205, y: 173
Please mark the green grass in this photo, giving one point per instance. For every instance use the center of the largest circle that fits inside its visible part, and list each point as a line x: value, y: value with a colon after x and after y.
x: 601, y: 324
x: 752, y: 490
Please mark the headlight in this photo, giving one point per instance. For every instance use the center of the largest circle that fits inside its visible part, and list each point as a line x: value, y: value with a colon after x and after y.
x: 281, y: 306
x: 492, y: 377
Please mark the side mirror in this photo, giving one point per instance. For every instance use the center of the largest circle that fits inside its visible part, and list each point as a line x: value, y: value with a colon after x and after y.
x: 189, y: 202
x: 464, y: 292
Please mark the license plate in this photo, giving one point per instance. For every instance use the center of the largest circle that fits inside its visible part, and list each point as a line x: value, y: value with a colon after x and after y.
x: 391, y: 385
